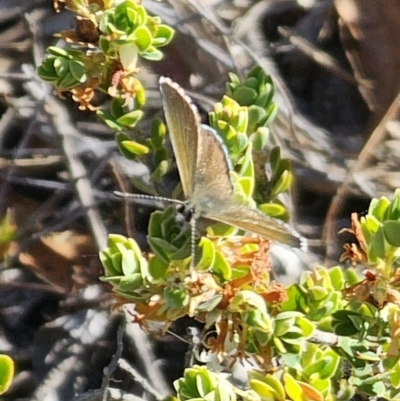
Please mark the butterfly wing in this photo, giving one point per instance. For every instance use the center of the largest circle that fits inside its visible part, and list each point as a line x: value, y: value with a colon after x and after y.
x: 213, y: 184
x: 201, y: 157
x: 184, y: 125
x: 213, y: 195
x: 249, y: 219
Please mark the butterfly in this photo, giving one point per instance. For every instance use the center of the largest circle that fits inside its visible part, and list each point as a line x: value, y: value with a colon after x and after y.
x: 204, y: 168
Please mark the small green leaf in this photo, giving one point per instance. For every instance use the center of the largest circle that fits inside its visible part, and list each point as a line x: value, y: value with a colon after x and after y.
x: 246, y: 300
x: 292, y: 388
x: 221, y: 267
x: 143, y: 38
x: 117, y: 107
x: 140, y: 95
x: 315, y: 371
x: 234, y: 79
x: 157, y: 268
x: 333, y: 365
x: 184, y: 249
x: 210, y: 304
x: 275, y: 157
x: 311, y: 393
x: 271, y: 113
x: 245, y: 96
x: 114, y: 280
x: 239, y: 272
x: 78, y: 70
x: 164, y: 35
x: 247, y: 185
x: 106, y: 261
x: 266, y: 96
x: 134, y: 147
x: 273, y: 209
x: 154, y: 228
x: 121, y: 138
x: 109, y: 120
x: 117, y: 262
x: 337, y: 278
x: 128, y: 56
x: 57, y: 51
x: 376, y: 389
x: 283, y: 183
x: 204, y: 383
x: 130, y: 264
x: 264, y: 390
x: 104, y: 44
x: 159, y: 172
x: 395, y: 376
x: 251, y: 82
x: 391, y: 229
x: 175, y: 298
x: 393, y: 212
x: 221, y: 230
x: 282, y: 326
x: 293, y: 337
x: 256, y: 118
x: 158, y: 133
x: 288, y: 315
x: 344, y: 329
x: 259, y: 321
x: 296, y: 299
x: 208, y: 253
x: 114, y: 239
x: 61, y: 66
x: 343, y: 322
x: 369, y: 226
x: 161, y: 248
x: 279, y: 345
x: 247, y: 165
x: 369, y: 356
x: 67, y: 81
x: 131, y: 282
x: 276, y: 385
x: 377, y: 246
x: 152, y: 54
x: 47, y: 72
x: 260, y: 138
x: 132, y: 244
x: 6, y: 373
x: 130, y: 119
x: 378, y: 207
x: 318, y: 293
x: 352, y: 276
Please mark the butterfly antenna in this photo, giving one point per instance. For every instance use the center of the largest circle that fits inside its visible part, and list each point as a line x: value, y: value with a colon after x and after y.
x: 127, y: 195
x: 192, y: 242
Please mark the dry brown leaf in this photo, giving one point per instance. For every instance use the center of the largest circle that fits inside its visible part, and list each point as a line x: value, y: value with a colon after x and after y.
x: 62, y: 259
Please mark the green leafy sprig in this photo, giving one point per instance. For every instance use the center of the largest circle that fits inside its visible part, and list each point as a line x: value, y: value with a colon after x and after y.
x: 104, y: 50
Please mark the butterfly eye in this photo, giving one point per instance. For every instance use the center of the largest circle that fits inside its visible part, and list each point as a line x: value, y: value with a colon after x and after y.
x: 185, y: 211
